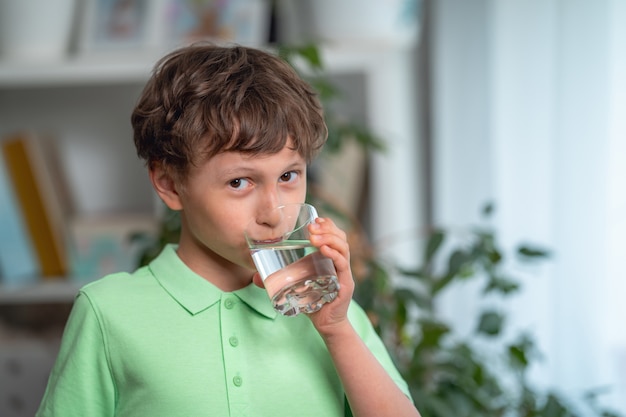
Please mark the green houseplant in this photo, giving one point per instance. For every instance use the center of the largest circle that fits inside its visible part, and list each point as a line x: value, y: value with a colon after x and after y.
x: 448, y: 375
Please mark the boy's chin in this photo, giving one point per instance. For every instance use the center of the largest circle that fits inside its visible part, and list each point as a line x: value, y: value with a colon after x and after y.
x: 248, y: 264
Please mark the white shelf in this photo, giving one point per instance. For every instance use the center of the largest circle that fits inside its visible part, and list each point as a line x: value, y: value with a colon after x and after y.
x: 53, y: 291
x: 89, y: 71
x: 125, y: 67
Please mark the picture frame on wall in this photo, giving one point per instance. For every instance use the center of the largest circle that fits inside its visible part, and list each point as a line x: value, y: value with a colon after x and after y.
x: 244, y: 22
x: 132, y: 25
x: 118, y: 25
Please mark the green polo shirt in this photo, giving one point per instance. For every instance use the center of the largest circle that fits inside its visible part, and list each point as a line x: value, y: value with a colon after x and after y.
x: 163, y: 341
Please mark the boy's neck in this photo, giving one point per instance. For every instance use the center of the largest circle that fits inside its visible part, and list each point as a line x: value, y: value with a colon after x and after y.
x: 220, y: 272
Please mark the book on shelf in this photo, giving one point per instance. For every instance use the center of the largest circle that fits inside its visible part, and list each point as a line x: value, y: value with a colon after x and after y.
x: 18, y: 262
x: 41, y: 196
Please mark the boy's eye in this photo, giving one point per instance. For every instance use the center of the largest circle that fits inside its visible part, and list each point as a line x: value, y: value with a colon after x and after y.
x: 238, y: 183
x: 289, y: 176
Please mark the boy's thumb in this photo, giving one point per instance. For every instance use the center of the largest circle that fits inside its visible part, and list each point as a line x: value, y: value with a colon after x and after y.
x: 256, y: 279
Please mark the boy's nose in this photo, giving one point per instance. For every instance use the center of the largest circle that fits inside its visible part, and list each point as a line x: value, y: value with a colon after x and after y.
x: 267, y: 213
x: 269, y: 201
x: 271, y: 217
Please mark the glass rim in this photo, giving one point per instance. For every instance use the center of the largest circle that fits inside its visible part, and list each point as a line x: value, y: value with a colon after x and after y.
x: 312, y: 215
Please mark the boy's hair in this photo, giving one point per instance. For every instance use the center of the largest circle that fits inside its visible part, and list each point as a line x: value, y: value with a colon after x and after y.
x: 205, y: 99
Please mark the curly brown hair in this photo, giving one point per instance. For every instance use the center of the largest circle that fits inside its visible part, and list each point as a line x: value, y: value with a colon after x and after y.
x: 206, y: 99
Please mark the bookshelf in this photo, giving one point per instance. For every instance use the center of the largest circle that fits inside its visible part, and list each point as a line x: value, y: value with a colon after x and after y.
x: 87, y: 102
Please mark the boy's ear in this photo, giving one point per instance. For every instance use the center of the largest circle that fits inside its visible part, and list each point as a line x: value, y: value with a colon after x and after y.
x: 165, y: 187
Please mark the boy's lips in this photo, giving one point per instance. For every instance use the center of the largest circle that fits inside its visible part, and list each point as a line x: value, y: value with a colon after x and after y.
x: 269, y: 241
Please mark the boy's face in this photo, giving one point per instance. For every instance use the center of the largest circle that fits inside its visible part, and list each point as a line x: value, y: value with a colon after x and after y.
x: 228, y: 191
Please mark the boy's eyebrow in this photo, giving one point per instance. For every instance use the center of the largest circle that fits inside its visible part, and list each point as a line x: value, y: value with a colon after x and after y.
x: 241, y: 170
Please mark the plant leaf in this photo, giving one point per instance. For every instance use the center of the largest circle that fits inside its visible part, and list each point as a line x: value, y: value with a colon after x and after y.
x: 434, y: 243
x: 490, y: 323
x: 501, y: 285
x: 488, y: 209
x: 308, y: 51
x: 432, y: 332
x: 554, y: 408
x: 518, y: 357
x: 458, y: 262
x: 530, y: 252
x: 521, y: 352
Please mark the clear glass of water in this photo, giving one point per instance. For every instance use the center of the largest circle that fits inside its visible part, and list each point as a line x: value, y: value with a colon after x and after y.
x: 297, y: 277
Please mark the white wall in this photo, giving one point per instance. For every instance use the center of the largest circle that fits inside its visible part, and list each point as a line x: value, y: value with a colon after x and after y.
x: 529, y: 103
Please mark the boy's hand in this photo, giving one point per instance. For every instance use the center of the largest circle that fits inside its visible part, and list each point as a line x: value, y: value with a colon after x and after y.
x: 332, y: 242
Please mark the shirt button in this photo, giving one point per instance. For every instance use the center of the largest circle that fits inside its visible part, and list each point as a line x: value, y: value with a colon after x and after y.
x: 234, y: 342
x: 237, y: 381
x: 229, y: 303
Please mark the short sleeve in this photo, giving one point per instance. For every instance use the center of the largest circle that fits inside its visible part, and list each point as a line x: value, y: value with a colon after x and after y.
x: 80, y: 383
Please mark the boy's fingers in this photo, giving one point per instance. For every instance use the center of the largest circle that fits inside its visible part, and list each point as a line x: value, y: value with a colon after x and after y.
x: 256, y: 279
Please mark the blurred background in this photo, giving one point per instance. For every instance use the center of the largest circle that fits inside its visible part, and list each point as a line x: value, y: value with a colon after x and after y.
x: 517, y: 103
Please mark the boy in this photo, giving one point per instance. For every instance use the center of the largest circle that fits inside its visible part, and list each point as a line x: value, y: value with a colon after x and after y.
x: 226, y: 133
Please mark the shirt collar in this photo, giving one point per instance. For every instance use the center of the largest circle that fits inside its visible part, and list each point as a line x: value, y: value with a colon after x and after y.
x: 257, y: 299
x: 196, y: 294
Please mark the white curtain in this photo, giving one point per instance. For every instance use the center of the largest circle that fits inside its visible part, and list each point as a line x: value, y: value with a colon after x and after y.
x: 529, y: 105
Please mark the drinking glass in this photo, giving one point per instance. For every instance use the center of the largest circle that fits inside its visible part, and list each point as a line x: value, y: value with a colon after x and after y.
x: 297, y: 277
